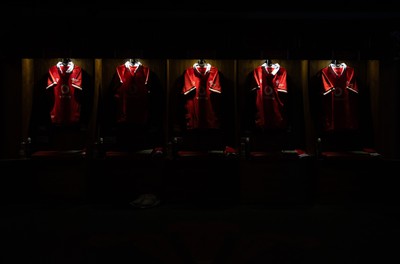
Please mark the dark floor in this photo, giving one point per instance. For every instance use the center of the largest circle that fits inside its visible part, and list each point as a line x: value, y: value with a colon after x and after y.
x: 101, y: 233
x: 345, y: 220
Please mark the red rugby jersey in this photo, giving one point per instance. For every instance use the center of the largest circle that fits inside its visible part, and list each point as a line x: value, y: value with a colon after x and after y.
x: 131, y: 95
x: 270, y: 85
x: 202, y: 90
x: 339, y: 98
x: 65, y: 82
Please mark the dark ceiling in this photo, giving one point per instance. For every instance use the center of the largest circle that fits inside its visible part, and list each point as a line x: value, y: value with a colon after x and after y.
x: 33, y: 28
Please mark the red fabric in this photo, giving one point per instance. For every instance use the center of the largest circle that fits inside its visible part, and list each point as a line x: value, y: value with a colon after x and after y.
x: 340, y: 99
x: 132, y: 94
x: 230, y: 150
x: 270, y: 102
x: 66, y: 90
x: 202, y: 103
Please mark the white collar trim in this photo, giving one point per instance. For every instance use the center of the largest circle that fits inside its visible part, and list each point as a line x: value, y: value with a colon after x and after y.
x: 69, y: 69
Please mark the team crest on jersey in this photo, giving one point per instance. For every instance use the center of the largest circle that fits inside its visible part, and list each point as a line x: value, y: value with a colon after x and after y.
x: 338, y: 91
x: 268, y: 90
x: 65, y: 91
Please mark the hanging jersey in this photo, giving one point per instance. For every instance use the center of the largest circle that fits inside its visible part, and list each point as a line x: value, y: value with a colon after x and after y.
x: 202, y: 90
x: 270, y: 86
x: 131, y: 94
x: 339, y: 98
x: 64, y: 81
